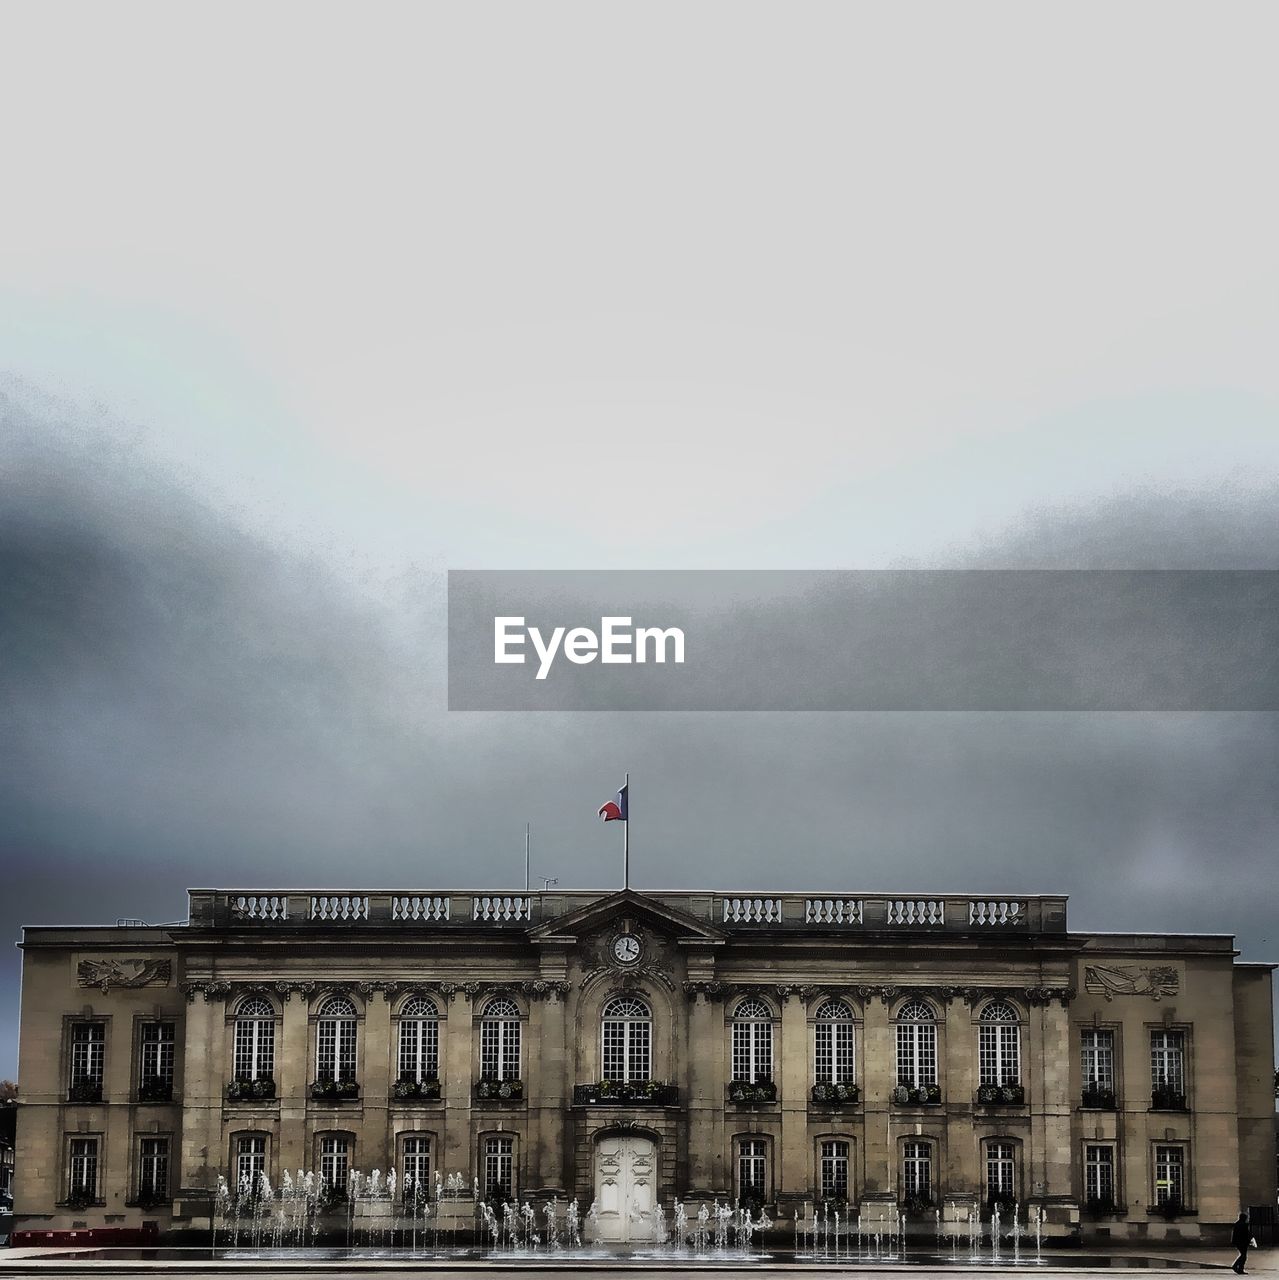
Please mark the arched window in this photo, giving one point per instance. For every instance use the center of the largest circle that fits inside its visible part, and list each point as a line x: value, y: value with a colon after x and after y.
x: 419, y: 1040
x: 752, y: 1042
x: 254, y: 1039
x: 917, y: 1171
x: 999, y: 1044
x: 335, y: 1041
x: 833, y: 1042
x: 627, y: 1038
x: 500, y: 1040
x: 916, y: 1045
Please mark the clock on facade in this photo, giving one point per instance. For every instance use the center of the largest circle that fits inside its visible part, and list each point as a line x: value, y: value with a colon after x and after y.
x: 626, y: 948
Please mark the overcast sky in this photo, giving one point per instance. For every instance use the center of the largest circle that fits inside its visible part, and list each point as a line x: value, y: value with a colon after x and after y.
x: 300, y: 307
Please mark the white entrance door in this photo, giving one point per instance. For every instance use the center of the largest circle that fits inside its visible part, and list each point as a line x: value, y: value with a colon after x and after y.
x: 625, y: 1187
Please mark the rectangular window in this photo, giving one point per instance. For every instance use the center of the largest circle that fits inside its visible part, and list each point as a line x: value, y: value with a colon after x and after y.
x: 833, y: 1053
x: 1097, y: 1059
x: 752, y: 1169
x: 153, y: 1169
x: 255, y: 1048
x: 88, y: 1054
x: 335, y: 1160
x: 335, y: 1049
x: 916, y: 1053
x: 998, y: 1053
x: 419, y: 1049
x: 500, y: 1048
x: 156, y: 1050
x: 250, y: 1161
x: 82, y: 1180
x: 917, y: 1170
x: 1001, y: 1171
x: 752, y: 1051
x: 1170, y: 1175
x: 417, y: 1167
x: 499, y: 1167
x: 834, y: 1170
x: 1099, y: 1173
x: 1167, y: 1062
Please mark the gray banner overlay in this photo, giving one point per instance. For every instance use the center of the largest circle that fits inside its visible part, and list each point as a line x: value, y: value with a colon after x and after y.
x: 891, y: 640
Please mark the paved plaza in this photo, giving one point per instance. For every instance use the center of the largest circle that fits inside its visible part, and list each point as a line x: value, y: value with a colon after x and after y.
x: 1058, y: 1266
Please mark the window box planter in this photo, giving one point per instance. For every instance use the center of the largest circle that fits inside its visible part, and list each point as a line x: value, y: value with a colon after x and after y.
x: 84, y: 1090
x: 490, y: 1090
x: 148, y: 1200
x: 1165, y: 1098
x: 1170, y: 1209
x: 1098, y: 1099
x: 335, y: 1090
x: 81, y: 1198
x: 634, y: 1093
x: 1001, y: 1095
x: 1098, y: 1207
x: 752, y: 1094
x: 916, y: 1206
x: 836, y: 1095
x: 407, y: 1090
x: 260, y: 1090
x: 921, y: 1095
x: 155, y: 1089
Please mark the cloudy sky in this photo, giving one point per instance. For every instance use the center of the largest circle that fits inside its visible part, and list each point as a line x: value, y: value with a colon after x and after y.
x: 301, y: 306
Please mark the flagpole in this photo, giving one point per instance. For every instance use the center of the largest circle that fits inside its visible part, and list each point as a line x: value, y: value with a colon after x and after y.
x: 527, y: 885
x: 626, y: 835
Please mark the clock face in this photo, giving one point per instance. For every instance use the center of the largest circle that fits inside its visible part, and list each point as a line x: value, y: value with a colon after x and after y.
x: 626, y: 948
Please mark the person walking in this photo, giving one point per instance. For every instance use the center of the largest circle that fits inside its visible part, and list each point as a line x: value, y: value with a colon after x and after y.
x: 1241, y: 1239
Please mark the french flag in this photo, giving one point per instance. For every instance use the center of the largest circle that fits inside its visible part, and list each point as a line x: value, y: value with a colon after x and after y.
x: 615, y: 810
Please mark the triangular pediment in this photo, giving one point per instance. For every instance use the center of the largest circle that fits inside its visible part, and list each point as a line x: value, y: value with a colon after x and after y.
x: 681, y: 926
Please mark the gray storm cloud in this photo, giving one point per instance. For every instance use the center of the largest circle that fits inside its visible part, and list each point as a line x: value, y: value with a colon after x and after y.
x: 187, y: 701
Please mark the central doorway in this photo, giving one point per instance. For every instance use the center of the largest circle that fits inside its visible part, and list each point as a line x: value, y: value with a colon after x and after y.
x: 625, y: 1186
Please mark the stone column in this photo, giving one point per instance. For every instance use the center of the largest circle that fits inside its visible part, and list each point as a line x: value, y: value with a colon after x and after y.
x: 794, y: 1077
x: 1046, y: 1070
x: 374, y: 1141
x: 293, y: 1073
x: 456, y: 1141
x: 705, y: 1095
x: 203, y: 1070
x: 548, y: 1086
x: 961, y: 1173
x: 879, y: 1067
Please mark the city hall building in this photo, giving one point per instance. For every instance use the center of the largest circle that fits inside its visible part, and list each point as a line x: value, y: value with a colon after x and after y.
x: 929, y: 1054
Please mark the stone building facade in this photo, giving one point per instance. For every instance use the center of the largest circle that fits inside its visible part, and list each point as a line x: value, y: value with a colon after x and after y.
x: 937, y: 1054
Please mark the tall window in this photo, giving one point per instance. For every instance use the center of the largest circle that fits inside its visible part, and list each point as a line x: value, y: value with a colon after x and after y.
x: 1099, y: 1172
x: 499, y: 1167
x: 156, y: 1054
x: 627, y: 1037
x: 1097, y: 1058
x: 417, y: 1165
x: 1168, y: 1061
x: 917, y: 1170
x: 255, y: 1040
x: 250, y: 1161
x: 916, y: 1045
x: 335, y: 1160
x: 999, y: 1044
x: 335, y: 1041
x: 419, y: 1040
x: 1001, y: 1171
x: 1170, y: 1175
x: 88, y: 1054
x: 834, y: 1038
x: 834, y: 1169
x: 153, y: 1169
x: 82, y: 1169
x: 500, y: 1040
x: 752, y: 1042
x: 752, y: 1169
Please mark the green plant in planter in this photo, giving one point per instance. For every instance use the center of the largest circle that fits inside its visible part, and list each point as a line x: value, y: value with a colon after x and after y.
x: 1096, y: 1096
x: 915, y: 1206
x: 1171, y: 1207
x: 1099, y: 1206
x: 751, y: 1091
x: 407, y: 1087
x: 155, y: 1089
x: 81, y: 1198
x: 836, y: 1094
x: 84, y: 1089
x: 500, y: 1090
x: 1164, y: 1097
